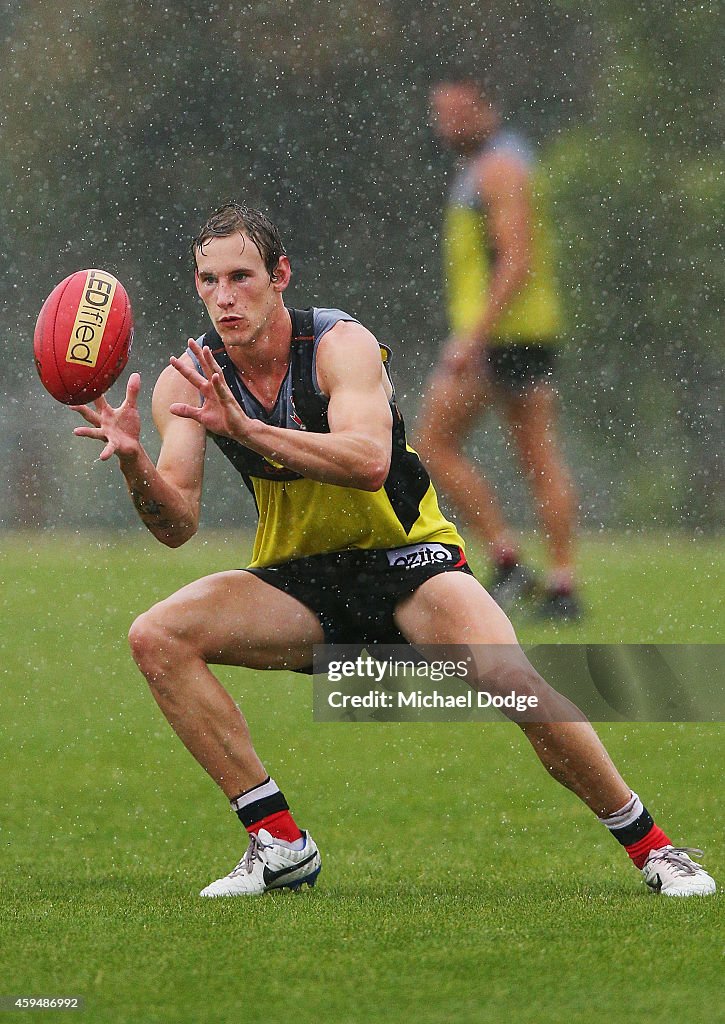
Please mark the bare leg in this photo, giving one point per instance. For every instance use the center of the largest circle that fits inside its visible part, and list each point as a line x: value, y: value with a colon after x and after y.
x: 448, y: 414
x: 231, y: 618
x: 453, y: 608
x: 531, y: 417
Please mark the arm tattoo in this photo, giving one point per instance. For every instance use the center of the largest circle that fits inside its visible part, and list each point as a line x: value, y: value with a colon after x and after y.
x: 148, y: 508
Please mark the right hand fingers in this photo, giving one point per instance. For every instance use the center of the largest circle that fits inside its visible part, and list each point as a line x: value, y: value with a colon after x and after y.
x: 93, y: 415
x: 88, y: 414
x: 96, y: 433
x: 132, y: 389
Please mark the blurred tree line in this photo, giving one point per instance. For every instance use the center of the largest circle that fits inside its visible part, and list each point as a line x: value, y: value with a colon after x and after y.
x: 125, y: 123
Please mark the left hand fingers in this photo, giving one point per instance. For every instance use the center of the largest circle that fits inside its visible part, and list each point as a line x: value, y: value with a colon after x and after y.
x: 206, y: 359
x: 192, y: 375
x: 221, y: 388
x: 210, y: 364
x: 205, y: 356
x: 188, y: 412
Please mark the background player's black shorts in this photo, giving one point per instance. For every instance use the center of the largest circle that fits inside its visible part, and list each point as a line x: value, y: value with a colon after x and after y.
x: 355, y: 593
x: 518, y: 367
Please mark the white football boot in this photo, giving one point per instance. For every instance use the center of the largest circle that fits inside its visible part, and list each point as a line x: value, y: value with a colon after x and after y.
x: 670, y: 871
x: 269, y: 863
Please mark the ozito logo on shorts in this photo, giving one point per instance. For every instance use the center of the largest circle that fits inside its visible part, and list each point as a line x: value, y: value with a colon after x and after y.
x: 419, y: 555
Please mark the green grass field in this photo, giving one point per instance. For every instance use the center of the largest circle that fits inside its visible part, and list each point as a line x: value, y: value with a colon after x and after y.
x: 458, y: 883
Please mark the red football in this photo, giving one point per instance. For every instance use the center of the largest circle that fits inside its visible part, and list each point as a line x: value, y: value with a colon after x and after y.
x: 83, y: 336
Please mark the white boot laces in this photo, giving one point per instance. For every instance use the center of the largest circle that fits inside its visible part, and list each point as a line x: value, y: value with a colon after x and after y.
x: 678, y: 858
x: 252, y: 853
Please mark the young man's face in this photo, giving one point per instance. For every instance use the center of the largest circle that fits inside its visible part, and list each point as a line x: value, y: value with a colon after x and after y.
x: 236, y: 289
x: 460, y: 117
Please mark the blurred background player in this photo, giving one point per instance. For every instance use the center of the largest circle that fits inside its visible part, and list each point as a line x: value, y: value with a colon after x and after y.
x: 504, y: 315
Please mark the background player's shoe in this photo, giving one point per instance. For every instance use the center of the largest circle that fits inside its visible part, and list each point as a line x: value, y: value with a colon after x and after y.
x: 560, y: 606
x: 269, y: 863
x: 670, y: 871
x: 511, y: 584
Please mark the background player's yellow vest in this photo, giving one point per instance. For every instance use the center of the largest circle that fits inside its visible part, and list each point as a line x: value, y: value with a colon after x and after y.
x: 533, y: 317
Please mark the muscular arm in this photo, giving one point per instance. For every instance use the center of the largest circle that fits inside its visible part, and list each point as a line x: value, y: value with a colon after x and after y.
x: 356, y: 452
x: 167, y: 496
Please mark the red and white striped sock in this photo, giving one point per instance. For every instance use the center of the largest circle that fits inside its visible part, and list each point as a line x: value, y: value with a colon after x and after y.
x: 633, y: 826
x: 264, y: 806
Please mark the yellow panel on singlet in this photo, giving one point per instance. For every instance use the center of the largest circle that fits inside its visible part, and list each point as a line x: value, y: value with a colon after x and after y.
x: 298, y: 518
x: 533, y: 317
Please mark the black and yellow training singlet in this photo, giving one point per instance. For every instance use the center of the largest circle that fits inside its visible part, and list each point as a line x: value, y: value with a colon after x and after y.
x: 299, y: 517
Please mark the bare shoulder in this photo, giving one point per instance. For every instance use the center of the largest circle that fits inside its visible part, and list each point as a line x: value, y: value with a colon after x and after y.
x: 348, y: 352
x: 502, y: 173
x: 171, y: 384
x: 169, y: 388
x: 350, y: 334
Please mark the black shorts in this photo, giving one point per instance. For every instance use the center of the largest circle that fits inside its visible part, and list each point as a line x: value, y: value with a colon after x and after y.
x: 518, y: 367
x: 355, y: 593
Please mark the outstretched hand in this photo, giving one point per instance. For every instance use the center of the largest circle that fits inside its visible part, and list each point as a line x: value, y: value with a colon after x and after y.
x: 220, y: 413
x: 120, y: 428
